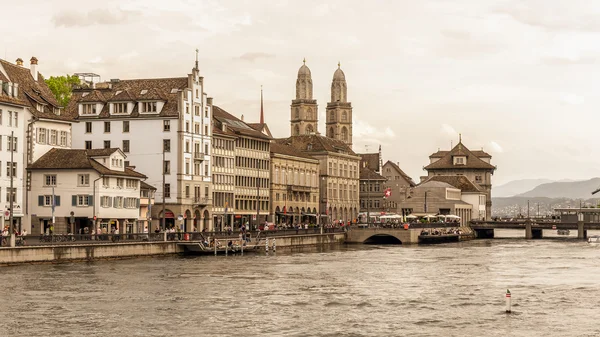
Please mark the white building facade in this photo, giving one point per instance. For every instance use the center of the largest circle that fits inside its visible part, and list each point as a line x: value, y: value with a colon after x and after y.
x: 75, y: 189
x: 164, y: 127
x: 29, y: 112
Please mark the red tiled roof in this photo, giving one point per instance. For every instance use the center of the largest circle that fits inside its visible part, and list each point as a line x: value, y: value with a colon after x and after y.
x: 277, y: 148
x: 31, y: 92
x: 371, y: 160
x: 236, y: 125
x: 461, y: 182
x: 317, y: 143
x: 447, y: 161
x: 78, y: 159
x: 368, y: 174
x: 164, y: 89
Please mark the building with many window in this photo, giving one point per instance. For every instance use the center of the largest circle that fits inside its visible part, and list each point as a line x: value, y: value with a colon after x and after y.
x: 475, y: 165
x: 338, y: 174
x: 294, y: 186
x: 75, y: 189
x: 164, y: 127
x: 252, y: 169
x: 372, y: 201
x: 31, y: 123
x: 400, y: 186
x: 224, y: 172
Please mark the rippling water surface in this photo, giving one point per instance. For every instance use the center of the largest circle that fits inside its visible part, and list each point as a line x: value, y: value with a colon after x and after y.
x: 445, y: 290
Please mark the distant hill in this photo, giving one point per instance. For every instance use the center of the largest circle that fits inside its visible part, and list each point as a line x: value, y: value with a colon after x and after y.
x: 515, y: 187
x: 515, y: 206
x: 572, y: 190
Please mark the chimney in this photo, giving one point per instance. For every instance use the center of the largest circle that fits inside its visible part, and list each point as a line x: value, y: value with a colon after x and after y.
x: 33, y: 68
x: 20, y: 62
x: 242, y: 117
x: 209, y: 101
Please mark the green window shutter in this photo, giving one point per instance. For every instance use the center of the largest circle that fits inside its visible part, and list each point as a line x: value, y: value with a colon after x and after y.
x: 90, y: 200
x: 138, y: 203
x: 57, y: 200
x: 110, y: 202
x: 74, y: 200
x: 40, y: 200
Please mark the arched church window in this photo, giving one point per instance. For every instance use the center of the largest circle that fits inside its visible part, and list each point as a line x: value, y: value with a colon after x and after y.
x: 332, y: 116
x: 331, y: 132
x: 344, y: 116
x: 297, y: 130
x: 297, y: 113
x: 344, y: 134
x: 309, y: 129
x: 309, y: 114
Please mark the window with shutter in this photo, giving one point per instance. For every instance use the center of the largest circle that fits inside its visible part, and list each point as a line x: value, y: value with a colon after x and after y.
x: 73, y: 200
x: 57, y: 200
x: 40, y: 200
x: 90, y: 200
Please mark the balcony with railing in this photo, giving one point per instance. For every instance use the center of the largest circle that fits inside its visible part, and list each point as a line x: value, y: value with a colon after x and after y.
x: 198, y: 156
x: 202, y: 201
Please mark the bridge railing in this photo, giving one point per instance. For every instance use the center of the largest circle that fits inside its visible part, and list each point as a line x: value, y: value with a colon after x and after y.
x: 414, y: 225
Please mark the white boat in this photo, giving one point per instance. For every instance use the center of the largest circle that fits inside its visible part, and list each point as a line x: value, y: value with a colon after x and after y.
x: 594, y: 239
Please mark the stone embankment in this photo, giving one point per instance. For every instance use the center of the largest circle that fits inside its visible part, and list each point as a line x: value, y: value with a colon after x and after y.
x: 86, y: 252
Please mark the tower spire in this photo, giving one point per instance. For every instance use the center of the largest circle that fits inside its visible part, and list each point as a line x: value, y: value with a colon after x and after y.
x: 262, y: 112
x: 460, y: 137
x: 304, y: 60
x: 197, y: 58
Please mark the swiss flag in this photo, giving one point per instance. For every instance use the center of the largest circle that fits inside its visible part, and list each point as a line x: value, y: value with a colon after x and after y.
x: 387, y: 193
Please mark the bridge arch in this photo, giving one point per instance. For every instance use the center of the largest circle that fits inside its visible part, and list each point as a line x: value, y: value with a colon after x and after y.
x: 382, y: 239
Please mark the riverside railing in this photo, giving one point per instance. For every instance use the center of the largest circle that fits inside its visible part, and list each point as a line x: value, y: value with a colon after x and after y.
x: 99, y: 239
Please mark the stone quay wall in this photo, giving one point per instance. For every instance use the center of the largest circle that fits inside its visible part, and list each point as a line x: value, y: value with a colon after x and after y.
x: 65, y: 252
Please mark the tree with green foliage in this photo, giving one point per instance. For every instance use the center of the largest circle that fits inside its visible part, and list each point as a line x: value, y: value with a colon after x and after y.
x: 62, y: 87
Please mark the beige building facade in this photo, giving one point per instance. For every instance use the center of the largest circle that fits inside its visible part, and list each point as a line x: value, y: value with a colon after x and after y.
x: 338, y: 175
x: 294, y: 186
x: 474, y: 165
x: 224, y: 171
x: 252, y: 169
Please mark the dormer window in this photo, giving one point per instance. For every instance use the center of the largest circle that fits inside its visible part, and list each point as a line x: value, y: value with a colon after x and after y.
x: 148, y: 106
x: 40, y: 107
x: 119, y: 108
x: 88, y: 109
x: 56, y: 111
x: 460, y: 160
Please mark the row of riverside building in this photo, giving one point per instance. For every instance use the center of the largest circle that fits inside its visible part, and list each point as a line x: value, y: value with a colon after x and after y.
x: 134, y: 154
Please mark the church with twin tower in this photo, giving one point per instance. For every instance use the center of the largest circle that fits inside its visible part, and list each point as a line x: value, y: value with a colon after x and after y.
x: 338, y: 180
x: 304, y: 109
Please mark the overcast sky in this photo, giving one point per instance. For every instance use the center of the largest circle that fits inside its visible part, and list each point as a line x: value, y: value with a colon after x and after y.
x: 517, y: 78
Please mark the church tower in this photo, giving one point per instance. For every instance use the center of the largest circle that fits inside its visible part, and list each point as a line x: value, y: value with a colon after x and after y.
x: 304, y: 116
x: 339, y: 110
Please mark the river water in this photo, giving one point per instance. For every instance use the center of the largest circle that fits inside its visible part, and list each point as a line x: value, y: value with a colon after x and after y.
x: 445, y: 290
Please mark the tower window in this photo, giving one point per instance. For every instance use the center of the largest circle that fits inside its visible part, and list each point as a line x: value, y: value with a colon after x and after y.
x: 297, y: 113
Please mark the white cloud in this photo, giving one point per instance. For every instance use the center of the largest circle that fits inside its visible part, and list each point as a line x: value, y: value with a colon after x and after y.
x: 496, y: 147
x: 449, y: 130
x: 573, y: 99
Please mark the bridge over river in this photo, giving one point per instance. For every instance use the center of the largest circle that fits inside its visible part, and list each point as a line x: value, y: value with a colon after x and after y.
x: 412, y: 235
x: 533, y: 229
